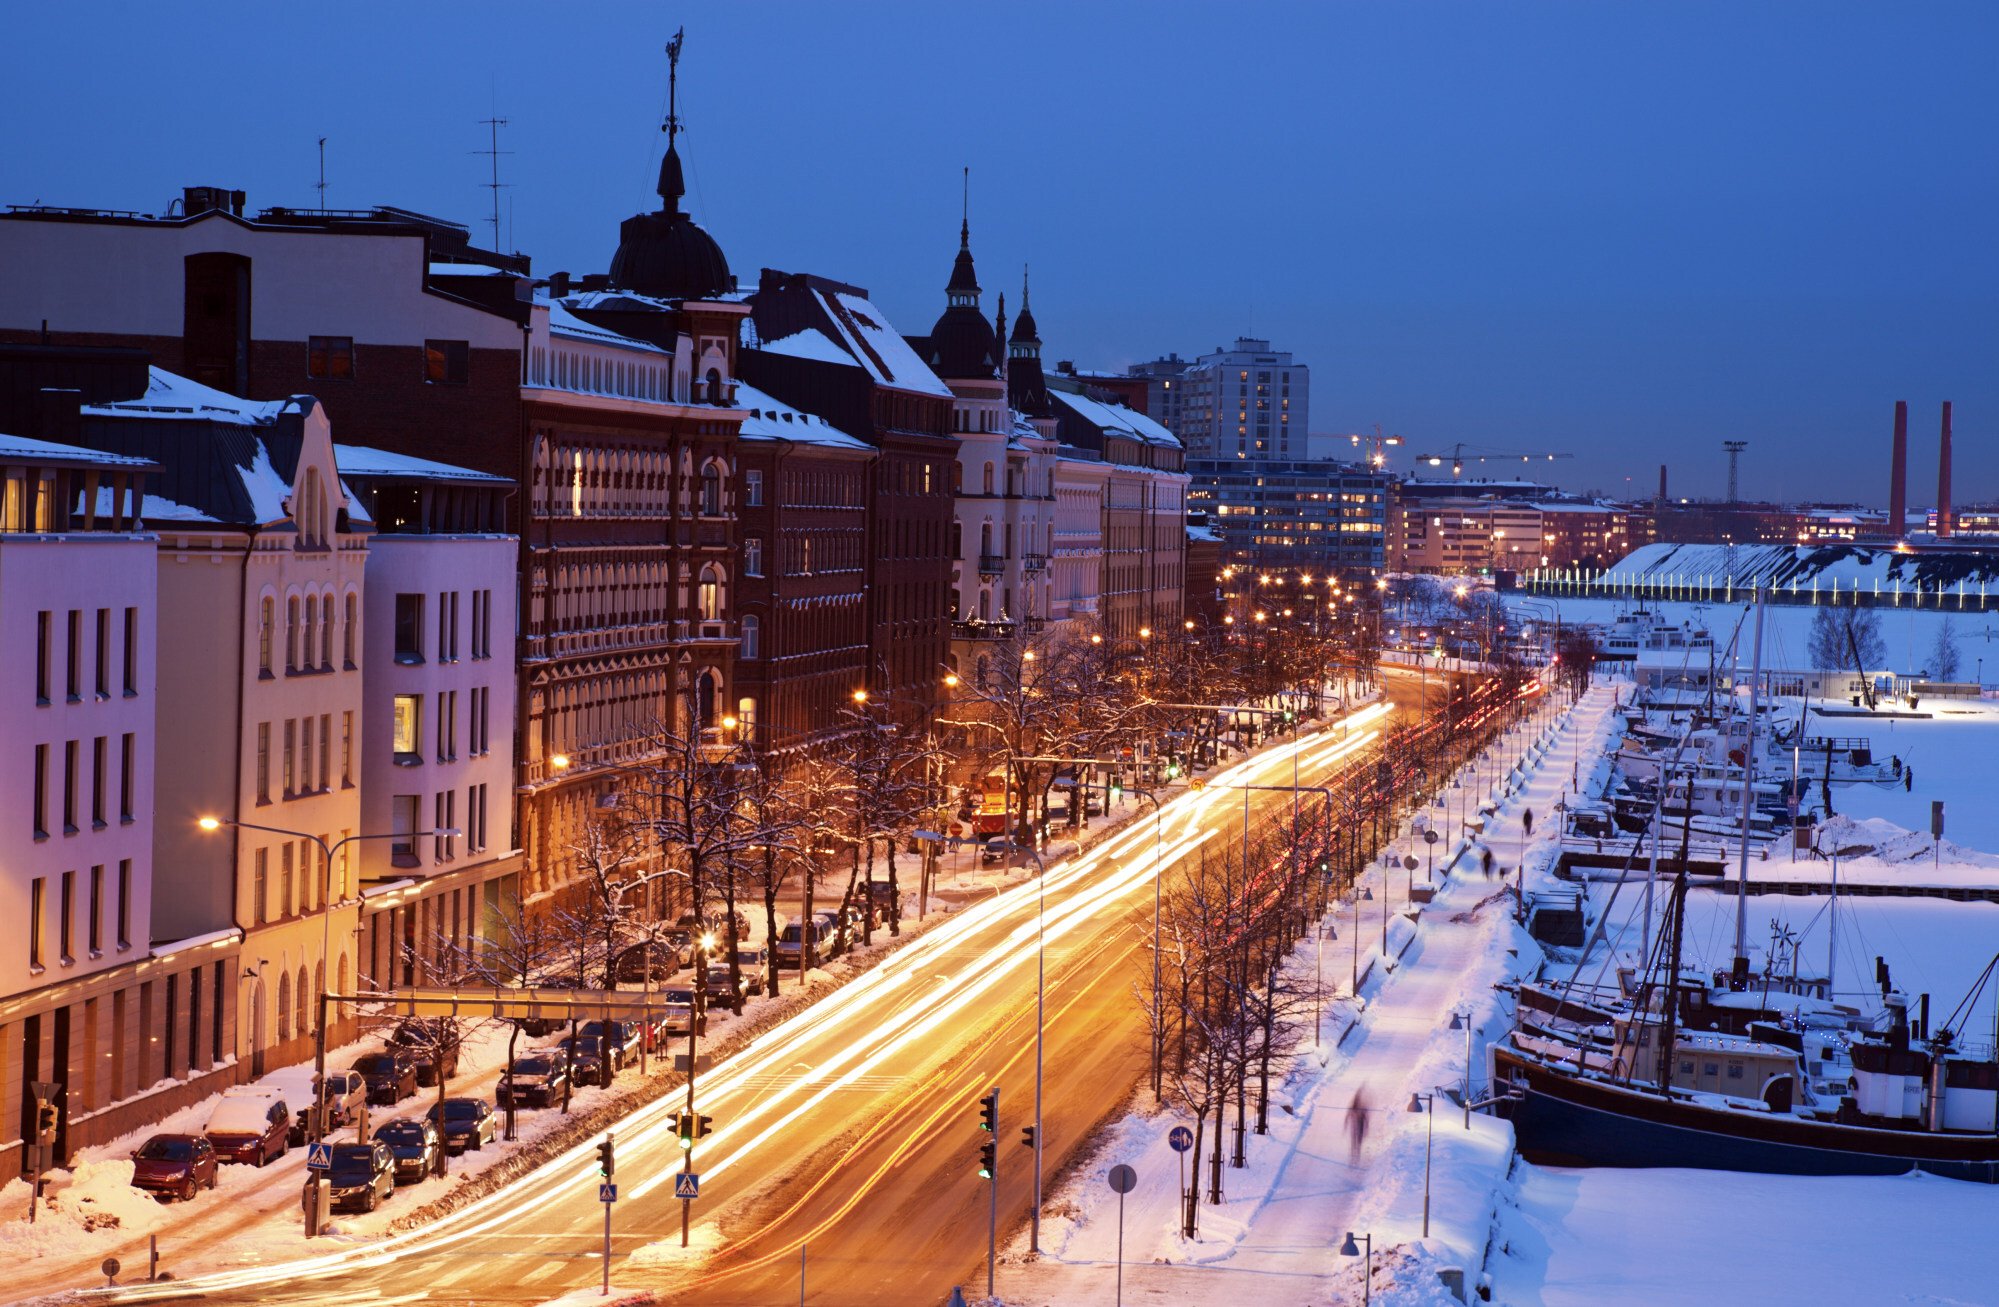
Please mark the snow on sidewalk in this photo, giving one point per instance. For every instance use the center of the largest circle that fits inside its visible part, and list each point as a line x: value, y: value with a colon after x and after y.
x: 1278, y: 1232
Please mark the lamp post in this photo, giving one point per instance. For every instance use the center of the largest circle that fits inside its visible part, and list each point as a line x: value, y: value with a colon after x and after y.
x: 1464, y: 1020
x: 1352, y: 1249
x: 1362, y: 893
x: 326, y: 852
x: 1426, y: 1102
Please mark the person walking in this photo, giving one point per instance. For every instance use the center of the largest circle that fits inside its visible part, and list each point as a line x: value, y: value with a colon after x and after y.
x: 1487, y: 862
x: 1357, y: 1122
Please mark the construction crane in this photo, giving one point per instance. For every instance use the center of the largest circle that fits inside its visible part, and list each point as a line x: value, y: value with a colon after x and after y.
x: 1375, y: 445
x: 1482, y: 454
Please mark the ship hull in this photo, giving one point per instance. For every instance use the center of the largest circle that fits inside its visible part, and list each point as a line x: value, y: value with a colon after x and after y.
x: 1562, y: 1120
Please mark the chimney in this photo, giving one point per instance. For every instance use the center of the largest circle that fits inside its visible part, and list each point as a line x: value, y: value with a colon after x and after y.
x: 1662, y: 483
x: 1898, y: 473
x: 1944, y: 523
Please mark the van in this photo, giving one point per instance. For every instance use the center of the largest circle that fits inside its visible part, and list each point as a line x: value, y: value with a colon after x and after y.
x: 249, y: 1124
x: 825, y: 940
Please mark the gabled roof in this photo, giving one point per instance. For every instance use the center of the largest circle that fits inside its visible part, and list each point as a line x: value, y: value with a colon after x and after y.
x: 1115, y: 419
x: 773, y: 419
x: 47, y: 453
x: 810, y: 343
x: 170, y: 395
x: 362, y: 463
x: 561, y: 322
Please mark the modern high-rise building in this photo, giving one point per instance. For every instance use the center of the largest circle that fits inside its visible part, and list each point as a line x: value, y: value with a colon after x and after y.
x: 1244, y: 402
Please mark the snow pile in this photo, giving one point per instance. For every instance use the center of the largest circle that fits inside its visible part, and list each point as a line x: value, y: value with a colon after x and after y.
x: 701, y: 1240
x: 91, y: 1210
x: 595, y: 1297
x: 1884, y: 841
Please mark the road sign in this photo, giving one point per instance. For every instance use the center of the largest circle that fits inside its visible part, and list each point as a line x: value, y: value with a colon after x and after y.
x: 319, y: 1157
x: 1123, y: 1179
x: 1429, y: 837
x: 607, y: 1193
x: 687, y: 1185
x: 1181, y: 1138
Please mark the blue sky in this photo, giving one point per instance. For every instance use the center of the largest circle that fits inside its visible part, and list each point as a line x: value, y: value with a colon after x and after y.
x: 1623, y: 231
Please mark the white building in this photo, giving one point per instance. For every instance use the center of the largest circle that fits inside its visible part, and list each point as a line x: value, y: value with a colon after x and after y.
x: 1248, y: 401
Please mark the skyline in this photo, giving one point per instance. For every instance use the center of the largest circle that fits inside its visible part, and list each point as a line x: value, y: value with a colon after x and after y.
x: 1592, y: 231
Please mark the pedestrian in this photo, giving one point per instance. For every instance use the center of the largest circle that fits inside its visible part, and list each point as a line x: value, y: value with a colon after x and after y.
x: 1908, y: 780
x: 1527, y: 820
x: 1488, y: 864
x: 1357, y: 1118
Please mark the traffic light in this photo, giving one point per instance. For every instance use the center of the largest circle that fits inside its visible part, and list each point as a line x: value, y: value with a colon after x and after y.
x: 989, y: 1122
x: 986, y: 1160
x: 1027, y: 1136
x: 46, y: 1117
x: 702, y: 1125
x: 989, y: 1112
x: 683, y: 1126
x: 607, y: 1162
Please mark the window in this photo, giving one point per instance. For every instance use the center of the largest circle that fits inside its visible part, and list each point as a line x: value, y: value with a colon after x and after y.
x: 746, y: 715
x: 330, y: 357
x: 475, y: 818
x: 291, y: 758
x: 131, y: 652
x: 409, y: 628
x: 753, y: 488
x: 347, y: 749
x: 260, y: 888
x: 263, y: 762
x: 95, y: 923
x: 443, y: 847
x: 711, y: 490
x: 41, y: 791
x: 402, y: 829
x: 285, y: 856
x: 447, y: 725
x: 446, y: 362
x: 753, y: 557
x: 103, y: 652
x: 326, y: 633
x: 125, y: 903
x: 100, y: 758
x: 127, y: 761
x: 350, y: 633
x: 708, y: 597
x: 267, y: 617
x: 66, y: 936
x: 752, y: 638
x: 408, y: 728
x: 43, y: 655
x: 305, y: 777
x: 76, y: 655
x: 481, y: 726
x: 38, y: 892
x: 69, y: 752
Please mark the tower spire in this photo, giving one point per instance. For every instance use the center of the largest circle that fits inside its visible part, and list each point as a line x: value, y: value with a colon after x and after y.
x: 671, y: 184
x: 965, y: 219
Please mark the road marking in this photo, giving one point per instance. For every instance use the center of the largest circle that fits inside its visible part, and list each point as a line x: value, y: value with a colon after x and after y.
x: 786, y: 1080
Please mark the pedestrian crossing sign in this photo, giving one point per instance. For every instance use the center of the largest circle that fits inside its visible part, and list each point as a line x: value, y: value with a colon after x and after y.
x: 687, y: 1185
x: 319, y: 1157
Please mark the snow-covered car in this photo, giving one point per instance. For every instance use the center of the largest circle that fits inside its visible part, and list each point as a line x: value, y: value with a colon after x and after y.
x: 250, y: 1124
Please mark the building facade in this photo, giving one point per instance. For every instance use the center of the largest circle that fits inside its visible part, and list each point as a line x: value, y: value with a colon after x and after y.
x: 1246, y: 402
x: 1309, y: 517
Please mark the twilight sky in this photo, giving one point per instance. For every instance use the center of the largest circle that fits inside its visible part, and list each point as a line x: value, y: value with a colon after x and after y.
x: 1623, y: 231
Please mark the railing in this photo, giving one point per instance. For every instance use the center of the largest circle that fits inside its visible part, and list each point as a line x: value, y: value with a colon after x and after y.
x: 993, y: 563
x: 977, y: 630
x: 1034, y: 562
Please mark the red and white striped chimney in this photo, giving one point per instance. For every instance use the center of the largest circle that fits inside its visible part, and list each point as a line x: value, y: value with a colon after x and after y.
x: 1898, y: 474
x: 1945, y: 525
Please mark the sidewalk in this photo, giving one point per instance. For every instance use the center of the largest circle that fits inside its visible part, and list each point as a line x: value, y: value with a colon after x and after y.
x: 1277, y: 1236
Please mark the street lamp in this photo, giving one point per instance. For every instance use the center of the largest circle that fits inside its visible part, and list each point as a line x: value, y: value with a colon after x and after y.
x: 1352, y: 1249
x: 326, y: 852
x: 1420, y: 1102
x: 1364, y: 895
x: 1464, y: 1021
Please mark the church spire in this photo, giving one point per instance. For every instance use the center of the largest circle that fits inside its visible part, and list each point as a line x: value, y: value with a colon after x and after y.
x: 963, y: 288
x: 672, y: 185
x: 1024, y: 343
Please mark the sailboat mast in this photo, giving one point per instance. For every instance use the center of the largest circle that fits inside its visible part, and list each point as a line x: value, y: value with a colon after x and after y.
x: 1739, y: 977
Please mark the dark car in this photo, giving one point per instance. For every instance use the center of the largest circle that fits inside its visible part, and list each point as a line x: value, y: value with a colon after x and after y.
x: 750, y: 962
x: 361, y: 1177
x: 653, y: 959
x: 391, y: 1076
x: 532, y: 1082
x: 992, y: 851
x: 428, y: 1044
x: 588, y: 1058
x: 463, y: 1123
x: 677, y: 1011
x: 415, y: 1144
x: 249, y: 1126
x: 622, y: 1037
x: 174, y: 1166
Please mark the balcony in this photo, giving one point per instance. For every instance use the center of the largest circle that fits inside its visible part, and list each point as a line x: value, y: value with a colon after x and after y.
x: 978, y: 630
x: 705, y: 631
x: 1034, y: 562
x: 992, y: 564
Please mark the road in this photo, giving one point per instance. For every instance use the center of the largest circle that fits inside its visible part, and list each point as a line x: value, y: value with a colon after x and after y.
x: 850, y: 1133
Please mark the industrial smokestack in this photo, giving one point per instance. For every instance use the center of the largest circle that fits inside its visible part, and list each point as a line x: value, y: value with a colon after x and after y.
x: 1944, y: 523
x: 1898, y: 473
x: 1662, y: 483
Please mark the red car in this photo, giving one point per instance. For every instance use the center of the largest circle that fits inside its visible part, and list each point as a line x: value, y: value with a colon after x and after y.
x: 174, y: 1166
x: 249, y: 1126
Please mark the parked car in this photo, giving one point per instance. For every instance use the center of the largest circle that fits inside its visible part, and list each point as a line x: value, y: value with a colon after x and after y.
x: 825, y: 934
x: 174, y: 1166
x: 718, y: 925
x: 653, y: 959
x: 755, y: 964
x: 678, y: 1010
x: 1093, y: 802
x: 751, y: 964
x: 391, y: 1076
x: 250, y: 1124
x: 415, y: 1144
x: 464, y: 1123
x: 362, y: 1176
x: 532, y: 1082
x: 345, y: 1090
x: 590, y: 1056
x: 621, y: 1037
x: 429, y: 1042
x: 993, y: 850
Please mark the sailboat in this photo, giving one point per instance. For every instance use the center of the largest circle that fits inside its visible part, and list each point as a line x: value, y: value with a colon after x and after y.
x: 1660, y: 1092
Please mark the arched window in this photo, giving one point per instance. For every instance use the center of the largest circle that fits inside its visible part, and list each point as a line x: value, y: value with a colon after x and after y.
x: 311, y: 632
x: 343, y: 973
x: 708, y: 598
x: 989, y: 478
x: 326, y: 632
x: 319, y: 977
x: 746, y: 715
x: 704, y: 699
x: 752, y: 638
x: 267, y: 617
x: 284, y: 1006
x: 714, y: 379
x: 351, y: 635
x: 711, y: 490
x: 291, y: 633
x: 304, y: 1004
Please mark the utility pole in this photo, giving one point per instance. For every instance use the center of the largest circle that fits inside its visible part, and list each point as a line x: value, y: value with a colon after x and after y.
x: 322, y: 172
x: 1734, y: 448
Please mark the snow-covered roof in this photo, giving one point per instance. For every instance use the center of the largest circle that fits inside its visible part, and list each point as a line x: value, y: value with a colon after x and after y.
x: 1115, y: 418
x: 1203, y: 533
x: 810, y: 343
x: 26, y: 449
x: 773, y: 419
x: 877, y: 346
x: 169, y: 395
x: 363, y: 461
x: 561, y: 322
x: 1568, y: 506
x: 1801, y: 567
x: 615, y: 299
x: 469, y: 270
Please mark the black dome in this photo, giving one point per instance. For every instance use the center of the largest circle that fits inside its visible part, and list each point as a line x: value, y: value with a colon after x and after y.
x: 666, y: 254
x: 962, y: 345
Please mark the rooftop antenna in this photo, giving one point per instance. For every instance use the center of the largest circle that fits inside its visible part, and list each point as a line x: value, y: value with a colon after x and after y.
x: 672, y: 124
x: 493, y: 125
x: 322, y: 172
x: 1734, y: 448
x: 965, y: 210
